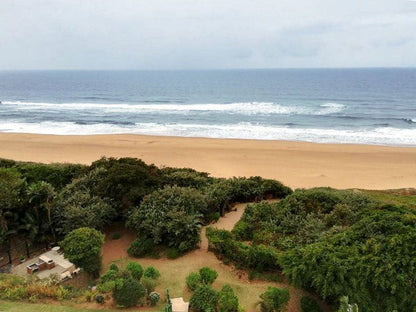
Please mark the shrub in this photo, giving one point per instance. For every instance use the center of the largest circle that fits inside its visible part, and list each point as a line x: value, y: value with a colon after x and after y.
x: 263, y: 258
x: 204, y: 299
x: 151, y: 272
x: 274, y: 299
x: 154, y: 298
x: 99, y: 299
x: 135, y: 270
x: 129, y: 294
x: 308, y: 304
x: 171, y: 216
x: 149, y: 284
x: 141, y: 247
x: 110, y: 275
x: 173, y: 253
x: 193, y: 280
x: 208, y: 276
x: 114, y: 267
x: 227, y: 300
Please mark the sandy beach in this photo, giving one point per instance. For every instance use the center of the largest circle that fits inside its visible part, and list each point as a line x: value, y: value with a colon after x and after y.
x: 296, y: 164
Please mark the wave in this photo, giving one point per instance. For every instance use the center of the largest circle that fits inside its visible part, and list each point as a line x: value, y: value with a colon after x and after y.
x: 408, y: 120
x: 245, y: 108
x: 380, y: 135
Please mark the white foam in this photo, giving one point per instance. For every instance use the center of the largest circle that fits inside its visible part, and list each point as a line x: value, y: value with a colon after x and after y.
x: 381, y: 136
x: 246, y: 108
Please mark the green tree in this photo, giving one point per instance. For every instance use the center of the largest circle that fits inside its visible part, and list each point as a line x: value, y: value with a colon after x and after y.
x: 227, y: 300
x: 83, y: 248
x: 204, y: 299
x: 274, y: 299
x: 170, y: 216
x: 129, y: 293
x: 41, y: 194
x: 11, y: 199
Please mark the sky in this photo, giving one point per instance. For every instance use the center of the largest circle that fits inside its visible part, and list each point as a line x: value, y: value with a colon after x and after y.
x: 206, y: 34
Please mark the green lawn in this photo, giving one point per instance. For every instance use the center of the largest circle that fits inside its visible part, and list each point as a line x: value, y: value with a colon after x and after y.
x: 8, y: 306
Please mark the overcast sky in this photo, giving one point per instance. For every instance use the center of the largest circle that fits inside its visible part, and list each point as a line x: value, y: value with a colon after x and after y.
x: 205, y: 34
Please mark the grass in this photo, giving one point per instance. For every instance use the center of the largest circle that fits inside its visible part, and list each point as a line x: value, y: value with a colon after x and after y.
x: 406, y: 197
x: 30, y: 307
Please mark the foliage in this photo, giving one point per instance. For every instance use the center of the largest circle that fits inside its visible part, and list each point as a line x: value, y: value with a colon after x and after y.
x: 135, y: 269
x: 345, y: 306
x: 127, y: 180
x: 83, y: 248
x: 208, y: 276
x: 227, y: 300
x: 151, y: 272
x: 77, y: 206
x: 129, y: 293
x: 154, y: 298
x: 204, y: 299
x: 149, y: 284
x: 170, y: 216
x: 114, y: 267
x: 173, y: 253
x: 308, y: 304
x: 274, y: 299
x: 193, y: 280
x: 141, y: 247
x: 185, y: 177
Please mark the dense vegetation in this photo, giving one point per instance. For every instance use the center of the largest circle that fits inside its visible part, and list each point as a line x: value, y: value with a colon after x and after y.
x: 358, y: 245
x: 338, y: 243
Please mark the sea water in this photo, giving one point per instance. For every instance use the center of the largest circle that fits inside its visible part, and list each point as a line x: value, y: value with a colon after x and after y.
x: 365, y: 106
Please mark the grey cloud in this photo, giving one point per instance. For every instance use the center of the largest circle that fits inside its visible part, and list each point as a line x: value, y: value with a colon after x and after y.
x: 158, y: 34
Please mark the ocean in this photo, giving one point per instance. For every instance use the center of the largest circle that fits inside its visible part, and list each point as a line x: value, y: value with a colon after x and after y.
x: 363, y: 106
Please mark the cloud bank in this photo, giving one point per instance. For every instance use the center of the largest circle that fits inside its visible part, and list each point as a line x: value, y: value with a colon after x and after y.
x: 206, y: 34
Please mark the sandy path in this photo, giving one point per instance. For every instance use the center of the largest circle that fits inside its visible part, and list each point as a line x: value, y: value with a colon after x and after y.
x: 225, y: 223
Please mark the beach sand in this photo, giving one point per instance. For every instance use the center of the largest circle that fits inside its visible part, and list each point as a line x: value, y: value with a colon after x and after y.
x: 297, y: 164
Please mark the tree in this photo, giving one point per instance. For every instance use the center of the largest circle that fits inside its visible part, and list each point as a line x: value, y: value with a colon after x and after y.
x: 130, y: 292
x: 204, y: 299
x: 274, y: 299
x: 11, y: 198
x: 83, y: 248
x: 41, y: 194
x: 171, y: 216
x: 227, y: 300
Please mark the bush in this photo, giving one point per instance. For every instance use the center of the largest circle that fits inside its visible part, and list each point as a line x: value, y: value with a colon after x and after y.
x: 129, y: 294
x: 99, y: 299
x: 171, y: 216
x: 135, y: 270
x: 262, y: 258
x: 204, y: 299
x: 141, y: 247
x: 227, y: 300
x: 154, y: 298
x: 173, y: 253
x: 149, y: 284
x: 274, y: 299
x: 193, y: 280
x: 114, y: 267
x: 308, y: 304
x: 208, y: 276
x: 151, y: 272
x: 110, y: 275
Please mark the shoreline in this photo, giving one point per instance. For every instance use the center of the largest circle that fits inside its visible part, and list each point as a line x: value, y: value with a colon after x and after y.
x: 296, y: 164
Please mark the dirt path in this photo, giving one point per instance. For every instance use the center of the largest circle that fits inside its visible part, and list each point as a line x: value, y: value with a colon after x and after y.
x: 225, y: 223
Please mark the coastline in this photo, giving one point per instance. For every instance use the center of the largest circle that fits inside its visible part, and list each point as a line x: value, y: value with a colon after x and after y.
x: 296, y: 164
